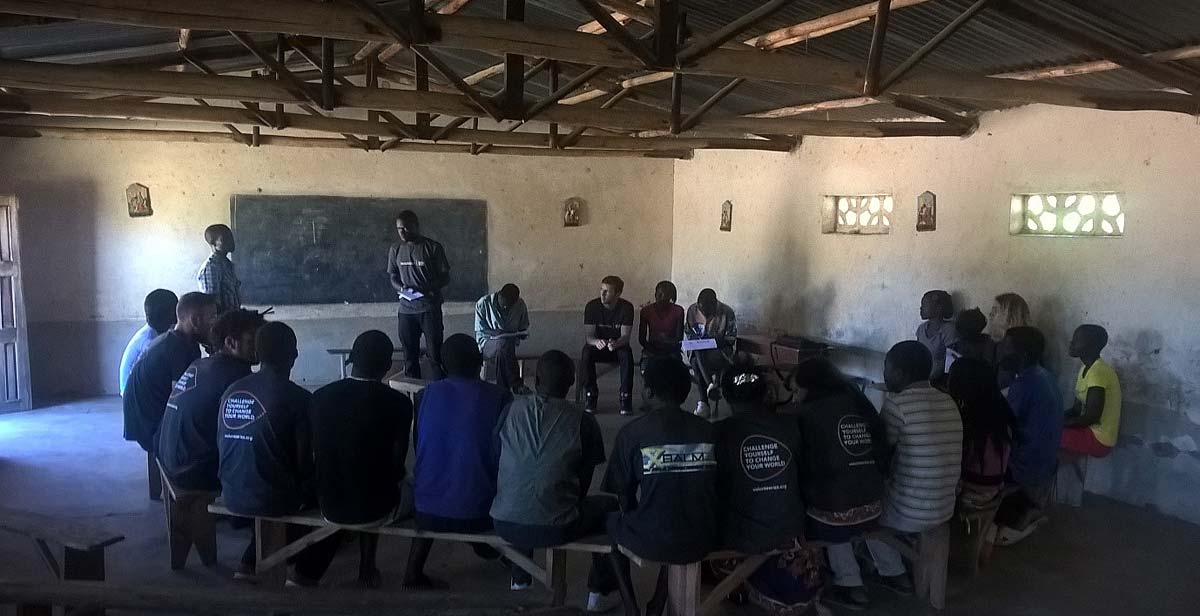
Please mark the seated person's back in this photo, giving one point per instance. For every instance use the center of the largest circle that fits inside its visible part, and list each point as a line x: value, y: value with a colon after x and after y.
x: 971, y: 341
x: 187, y: 437
x: 160, y: 307
x: 1036, y: 406
x: 987, y: 430
x: 758, y: 453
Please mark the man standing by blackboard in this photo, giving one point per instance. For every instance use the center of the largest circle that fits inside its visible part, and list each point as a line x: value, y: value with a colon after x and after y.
x: 418, y: 270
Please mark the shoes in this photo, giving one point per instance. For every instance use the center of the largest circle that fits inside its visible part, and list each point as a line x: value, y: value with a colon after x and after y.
x: 848, y: 597
x: 899, y: 584
x: 245, y: 573
x: 702, y: 409
x: 714, y: 391
x: 1007, y: 536
x: 600, y: 603
x: 520, y: 583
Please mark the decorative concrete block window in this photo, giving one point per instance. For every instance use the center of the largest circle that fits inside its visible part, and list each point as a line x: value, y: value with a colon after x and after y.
x: 1080, y: 214
x: 857, y: 214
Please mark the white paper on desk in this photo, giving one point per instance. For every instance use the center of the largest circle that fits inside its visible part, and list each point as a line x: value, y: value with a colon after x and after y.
x: 411, y: 295
x: 699, y: 344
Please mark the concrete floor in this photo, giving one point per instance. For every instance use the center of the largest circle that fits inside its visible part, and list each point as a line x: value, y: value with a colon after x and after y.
x: 69, y: 460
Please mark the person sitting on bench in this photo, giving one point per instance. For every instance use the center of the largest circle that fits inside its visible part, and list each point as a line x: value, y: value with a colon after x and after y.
x: 456, y: 464
x: 924, y: 428
x: 265, y: 442
x: 160, y: 307
x: 1038, y: 408
x: 1093, y: 423
x: 360, y: 442
x: 660, y: 324
x: 187, y: 437
x: 937, y: 331
x: 987, y: 431
x: 607, y: 325
x: 154, y: 374
x: 549, y: 449
x: 663, y: 470
x: 501, y: 323
x: 971, y: 341
x: 709, y: 318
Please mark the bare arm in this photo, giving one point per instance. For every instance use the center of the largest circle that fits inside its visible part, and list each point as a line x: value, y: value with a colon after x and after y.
x: 1093, y: 408
x: 623, y: 341
x: 589, y: 333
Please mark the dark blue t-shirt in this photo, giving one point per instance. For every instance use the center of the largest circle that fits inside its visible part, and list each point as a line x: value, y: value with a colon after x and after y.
x: 150, y: 383
x: 187, y: 437
x: 1038, y: 407
x: 457, y: 453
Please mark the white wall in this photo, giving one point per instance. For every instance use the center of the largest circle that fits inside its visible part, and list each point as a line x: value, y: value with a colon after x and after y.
x: 780, y: 271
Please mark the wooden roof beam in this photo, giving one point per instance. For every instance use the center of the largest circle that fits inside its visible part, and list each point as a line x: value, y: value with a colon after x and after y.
x: 617, y: 32
x: 827, y: 24
x: 712, y: 41
x: 875, y: 55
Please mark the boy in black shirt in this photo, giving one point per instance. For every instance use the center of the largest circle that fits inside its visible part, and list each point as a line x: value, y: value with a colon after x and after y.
x: 664, y: 471
x: 360, y: 441
x: 187, y: 437
x: 607, y: 325
x: 418, y: 270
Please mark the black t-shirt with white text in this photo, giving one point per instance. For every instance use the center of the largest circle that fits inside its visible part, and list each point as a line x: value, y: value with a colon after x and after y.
x: 757, y: 457
x: 150, y: 382
x: 187, y: 437
x: 608, y: 322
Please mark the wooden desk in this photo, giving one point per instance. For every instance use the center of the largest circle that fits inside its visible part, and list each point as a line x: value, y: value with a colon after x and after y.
x: 344, y: 357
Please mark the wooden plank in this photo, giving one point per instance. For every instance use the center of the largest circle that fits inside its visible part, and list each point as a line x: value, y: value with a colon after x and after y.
x: 694, y: 117
x: 617, y: 32
x: 683, y: 586
x: 47, y: 555
x: 711, y: 605
x: 280, y: 555
x: 514, y: 66
x: 1098, y: 66
x: 726, y: 33
x: 70, y: 533
x: 556, y: 571
x: 878, y: 39
x: 931, y: 45
x: 832, y: 22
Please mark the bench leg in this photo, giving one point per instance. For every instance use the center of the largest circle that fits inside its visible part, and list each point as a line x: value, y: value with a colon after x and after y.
x: 200, y: 527
x: 269, y: 537
x: 683, y: 588
x: 177, y: 533
x: 556, y: 572
x: 153, y: 478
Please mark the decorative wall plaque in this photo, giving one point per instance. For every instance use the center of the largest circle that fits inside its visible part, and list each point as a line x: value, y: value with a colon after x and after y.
x: 727, y: 216
x: 927, y: 212
x: 138, y: 198
x: 573, y: 212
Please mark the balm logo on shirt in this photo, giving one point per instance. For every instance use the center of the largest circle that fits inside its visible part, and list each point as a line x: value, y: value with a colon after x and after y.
x: 685, y: 458
x: 854, y: 435
x: 241, y: 409
x: 764, y: 458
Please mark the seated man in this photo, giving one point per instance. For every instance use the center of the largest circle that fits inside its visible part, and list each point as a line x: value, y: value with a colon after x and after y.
x: 501, y: 323
x: 548, y: 450
x: 607, y: 324
x: 187, y: 437
x: 360, y: 442
x: 160, y: 307
x: 456, y: 465
x: 660, y: 326
x: 709, y: 318
x: 924, y: 428
x: 265, y: 442
x: 1093, y: 423
x: 150, y: 382
x: 664, y: 472
x: 1038, y: 409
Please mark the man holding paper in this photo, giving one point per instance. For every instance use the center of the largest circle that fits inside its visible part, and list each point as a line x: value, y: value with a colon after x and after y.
x: 711, y: 330
x: 418, y: 270
x: 501, y: 323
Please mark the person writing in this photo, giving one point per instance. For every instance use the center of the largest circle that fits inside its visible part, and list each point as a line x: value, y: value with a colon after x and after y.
x: 418, y: 270
x: 607, y: 325
x: 708, y: 318
x: 217, y: 276
x: 501, y: 323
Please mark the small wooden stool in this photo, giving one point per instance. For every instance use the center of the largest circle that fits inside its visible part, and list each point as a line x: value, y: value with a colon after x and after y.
x: 189, y: 523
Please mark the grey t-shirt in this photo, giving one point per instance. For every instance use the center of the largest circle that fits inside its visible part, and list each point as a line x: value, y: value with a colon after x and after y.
x: 936, y: 339
x: 422, y: 266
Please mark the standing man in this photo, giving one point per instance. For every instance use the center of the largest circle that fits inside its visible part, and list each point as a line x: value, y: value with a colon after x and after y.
x: 216, y: 276
x: 418, y: 270
x: 607, y: 325
x: 160, y: 316
x: 501, y: 323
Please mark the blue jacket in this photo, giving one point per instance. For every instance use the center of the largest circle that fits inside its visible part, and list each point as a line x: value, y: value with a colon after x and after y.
x: 1037, y: 405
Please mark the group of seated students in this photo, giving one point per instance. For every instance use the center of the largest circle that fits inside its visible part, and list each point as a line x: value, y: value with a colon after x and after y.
x: 770, y: 478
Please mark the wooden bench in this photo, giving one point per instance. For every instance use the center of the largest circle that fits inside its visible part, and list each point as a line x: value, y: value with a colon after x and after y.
x: 189, y: 523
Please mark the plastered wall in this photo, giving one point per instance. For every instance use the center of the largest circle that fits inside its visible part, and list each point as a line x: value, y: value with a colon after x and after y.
x: 780, y: 272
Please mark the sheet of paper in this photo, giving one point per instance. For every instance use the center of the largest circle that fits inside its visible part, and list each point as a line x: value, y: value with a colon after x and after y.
x: 520, y: 334
x: 700, y: 344
x: 411, y: 294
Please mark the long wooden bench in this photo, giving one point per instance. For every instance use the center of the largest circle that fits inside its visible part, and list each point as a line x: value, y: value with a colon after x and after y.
x: 189, y: 523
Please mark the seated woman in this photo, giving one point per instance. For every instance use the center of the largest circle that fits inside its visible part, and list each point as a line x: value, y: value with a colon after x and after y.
x: 987, y: 432
x: 660, y: 324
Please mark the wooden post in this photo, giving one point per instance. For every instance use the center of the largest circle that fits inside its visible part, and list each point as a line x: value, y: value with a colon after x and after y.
x: 556, y: 572
x: 372, y: 115
x: 281, y: 58
x: 553, y: 126
x: 683, y: 585
x: 871, y: 84
x: 153, y: 479
x: 269, y: 537
x: 666, y: 28
x: 514, y: 67
x: 677, y: 82
x: 328, y: 94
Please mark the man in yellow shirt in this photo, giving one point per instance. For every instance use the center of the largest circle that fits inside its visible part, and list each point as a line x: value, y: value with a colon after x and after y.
x: 1092, y: 425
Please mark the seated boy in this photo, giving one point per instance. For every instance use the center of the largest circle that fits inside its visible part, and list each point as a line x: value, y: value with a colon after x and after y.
x: 501, y: 323
x: 360, y: 442
x: 936, y: 331
x: 664, y: 472
x: 265, y: 444
x: 187, y: 437
x: 971, y: 342
x: 709, y: 318
x: 925, y: 430
x: 456, y: 464
x: 660, y: 325
x: 1038, y: 409
x: 607, y: 325
x: 1093, y: 423
x: 548, y: 450
x: 160, y: 307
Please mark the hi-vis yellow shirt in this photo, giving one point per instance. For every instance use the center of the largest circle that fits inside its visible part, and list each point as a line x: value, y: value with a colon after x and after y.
x: 1103, y: 376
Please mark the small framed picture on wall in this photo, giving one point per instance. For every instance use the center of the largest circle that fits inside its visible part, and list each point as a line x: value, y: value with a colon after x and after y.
x: 727, y: 216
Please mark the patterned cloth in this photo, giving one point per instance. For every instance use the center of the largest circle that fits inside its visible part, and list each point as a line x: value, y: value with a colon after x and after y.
x: 787, y: 584
x: 216, y: 277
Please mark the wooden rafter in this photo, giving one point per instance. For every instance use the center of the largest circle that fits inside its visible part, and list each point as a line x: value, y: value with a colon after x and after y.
x: 875, y: 57
x: 932, y: 44
x: 618, y: 32
x: 694, y: 117
x: 727, y: 33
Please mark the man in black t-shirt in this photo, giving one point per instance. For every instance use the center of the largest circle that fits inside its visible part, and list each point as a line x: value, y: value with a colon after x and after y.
x: 607, y: 325
x: 187, y: 437
x: 418, y: 270
x: 663, y: 470
x: 265, y: 443
x: 360, y: 442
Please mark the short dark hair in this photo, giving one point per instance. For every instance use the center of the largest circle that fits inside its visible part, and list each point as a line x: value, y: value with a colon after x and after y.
x: 668, y: 289
x: 511, y: 292
x: 160, y: 307
x: 668, y: 379
x: 744, y: 383
x: 408, y: 216
x: 1095, y: 335
x: 913, y: 359
x: 234, y: 323
x: 460, y: 356
x: 372, y: 354
x: 194, y: 302
x: 615, y: 282
x: 1028, y: 341
x: 555, y: 374
x: 943, y: 300
x: 276, y: 344
x: 970, y: 323
x: 706, y: 296
x: 212, y: 232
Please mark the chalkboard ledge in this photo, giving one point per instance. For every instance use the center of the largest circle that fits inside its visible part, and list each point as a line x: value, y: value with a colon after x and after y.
x: 345, y: 311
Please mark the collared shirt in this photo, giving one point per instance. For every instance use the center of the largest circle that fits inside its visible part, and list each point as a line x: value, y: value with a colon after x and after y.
x: 1038, y: 408
x: 492, y: 320
x: 216, y: 277
x: 721, y: 326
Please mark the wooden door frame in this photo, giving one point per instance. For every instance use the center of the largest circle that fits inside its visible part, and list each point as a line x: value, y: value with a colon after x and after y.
x: 25, y: 380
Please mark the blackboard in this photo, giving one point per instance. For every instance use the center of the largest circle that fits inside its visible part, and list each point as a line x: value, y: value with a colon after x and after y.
x: 310, y: 249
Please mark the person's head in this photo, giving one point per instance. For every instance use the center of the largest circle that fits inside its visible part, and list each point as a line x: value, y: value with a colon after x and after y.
x: 508, y: 295
x: 555, y: 374
x: 744, y: 386
x: 233, y: 334
x: 908, y: 362
x: 276, y: 346
x: 195, y: 314
x: 1087, y: 342
x: 969, y: 324
x: 665, y: 292
x: 371, y: 356
x: 667, y: 381
x: 936, y: 305
x: 160, y: 306
x: 408, y: 227
x: 220, y: 238
x: 1022, y: 347
x: 707, y: 301
x: 611, y: 288
x: 1009, y: 310
x: 460, y: 357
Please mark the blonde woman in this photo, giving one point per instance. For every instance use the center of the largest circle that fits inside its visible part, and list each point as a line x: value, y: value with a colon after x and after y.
x: 1009, y: 310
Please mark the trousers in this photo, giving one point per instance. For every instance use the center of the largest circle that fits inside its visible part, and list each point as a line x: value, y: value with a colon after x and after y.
x: 411, y: 327
x: 845, y: 567
x: 500, y: 362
